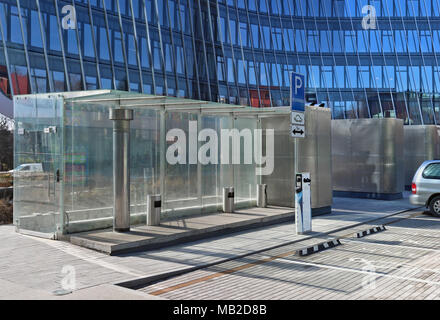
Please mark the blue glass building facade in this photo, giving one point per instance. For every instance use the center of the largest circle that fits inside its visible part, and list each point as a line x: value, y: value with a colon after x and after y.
x: 233, y: 51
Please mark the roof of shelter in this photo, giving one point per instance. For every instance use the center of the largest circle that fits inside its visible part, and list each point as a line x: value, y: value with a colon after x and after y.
x: 125, y: 99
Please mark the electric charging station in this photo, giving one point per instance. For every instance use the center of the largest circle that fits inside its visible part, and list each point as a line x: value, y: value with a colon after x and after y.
x: 303, y: 208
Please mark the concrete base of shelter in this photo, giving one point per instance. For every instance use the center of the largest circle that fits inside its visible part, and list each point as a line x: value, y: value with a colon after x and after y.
x: 169, y: 233
x: 321, y: 211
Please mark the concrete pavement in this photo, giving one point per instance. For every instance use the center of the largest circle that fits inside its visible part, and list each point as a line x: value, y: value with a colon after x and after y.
x: 38, y: 264
x: 14, y: 291
x: 402, y: 262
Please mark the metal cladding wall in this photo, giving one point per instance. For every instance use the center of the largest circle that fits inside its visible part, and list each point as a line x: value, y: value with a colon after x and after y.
x: 314, y: 157
x: 368, y: 158
x: 421, y: 143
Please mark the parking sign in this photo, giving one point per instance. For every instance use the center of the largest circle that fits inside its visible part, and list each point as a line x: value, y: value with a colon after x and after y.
x: 297, y: 102
x: 297, y: 94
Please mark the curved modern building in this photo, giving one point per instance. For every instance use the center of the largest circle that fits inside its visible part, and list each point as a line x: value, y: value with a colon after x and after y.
x: 362, y: 58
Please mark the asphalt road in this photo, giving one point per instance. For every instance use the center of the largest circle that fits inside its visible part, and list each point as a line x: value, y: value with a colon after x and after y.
x: 402, y: 262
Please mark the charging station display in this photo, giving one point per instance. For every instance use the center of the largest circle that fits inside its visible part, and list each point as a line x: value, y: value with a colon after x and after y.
x: 303, y: 210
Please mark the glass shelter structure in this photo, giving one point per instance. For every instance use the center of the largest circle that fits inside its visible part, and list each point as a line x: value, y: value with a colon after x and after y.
x: 363, y: 58
x: 64, y: 146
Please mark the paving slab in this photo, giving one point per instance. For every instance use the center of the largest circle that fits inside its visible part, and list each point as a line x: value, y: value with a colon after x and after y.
x: 384, y: 271
x: 35, y: 265
x: 108, y: 292
x: 14, y: 291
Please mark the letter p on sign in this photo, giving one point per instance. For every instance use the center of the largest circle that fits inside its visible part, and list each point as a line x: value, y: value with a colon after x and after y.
x: 298, y: 83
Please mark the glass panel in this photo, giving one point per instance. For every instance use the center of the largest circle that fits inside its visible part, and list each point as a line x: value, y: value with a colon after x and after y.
x: 245, y: 180
x: 88, y: 192
x: 37, y: 163
x: 181, y: 185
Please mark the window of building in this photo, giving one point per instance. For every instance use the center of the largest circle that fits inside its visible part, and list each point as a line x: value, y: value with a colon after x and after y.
x: 413, y: 41
x: 264, y: 77
x: 425, y: 41
x: 350, y: 41
x: 252, y: 73
x: 338, y: 41
x: 388, y: 7
x: 362, y: 41
x: 376, y: 76
x: 389, y: 78
x: 233, y: 31
x: 36, y: 40
x: 402, y: 78
x: 364, y: 77
x: 327, y: 77
x: 312, y: 40
x: 326, y: 8
x: 388, y: 43
x: 241, y: 72
x: 277, y: 38
x: 15, y: 25
x: 414, y: 78
x: 313, y: 8
x: 351, y: 77
x: 220, y: 68
x: 231, y: 76
x: 413, y: 8
x: 54, y: 38
x: 103, y: 44
x: 375, y: 41
x: 427, y: 84
x: 326, y: 41
x: 400, y: 41
x: 88, y: 41
x: 118, y: 46
x: 244, y: 34
x: 339, y: 77
x: 400, y: 8
x: 300, y: 40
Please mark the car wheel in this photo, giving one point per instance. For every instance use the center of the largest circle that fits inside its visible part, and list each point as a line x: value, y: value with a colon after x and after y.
x: 434, y: 206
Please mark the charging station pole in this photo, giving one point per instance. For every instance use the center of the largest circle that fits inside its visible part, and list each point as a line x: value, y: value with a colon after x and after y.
x: 303, y: 211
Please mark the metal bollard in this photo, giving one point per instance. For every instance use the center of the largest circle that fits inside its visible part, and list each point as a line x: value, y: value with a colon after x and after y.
x: 121, y: 168
x: 228, y: 200
x: 154, y: 207
x: 262, y: 195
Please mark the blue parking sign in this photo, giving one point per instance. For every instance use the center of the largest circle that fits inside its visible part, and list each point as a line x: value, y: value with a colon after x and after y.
x: 297, y: 92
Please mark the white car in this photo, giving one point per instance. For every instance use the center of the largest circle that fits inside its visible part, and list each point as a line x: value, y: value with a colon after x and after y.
x: 426, y: 187
x: 28, y: 168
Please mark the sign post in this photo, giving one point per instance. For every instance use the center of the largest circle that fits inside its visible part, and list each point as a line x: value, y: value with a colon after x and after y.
x: 303, y: 212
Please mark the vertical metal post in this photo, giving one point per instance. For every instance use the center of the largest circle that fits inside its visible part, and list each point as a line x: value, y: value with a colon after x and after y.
x: 262, y: 195
x: 62, y: 163
x: 260, y: 147
x: 296, y: 157
x: 162, y: 152
x: 199, y: 165
x: 121, y: 168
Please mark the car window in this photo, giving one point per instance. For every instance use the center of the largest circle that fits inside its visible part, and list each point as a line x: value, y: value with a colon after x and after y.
x: 432, y: 171
x: 26, y: 168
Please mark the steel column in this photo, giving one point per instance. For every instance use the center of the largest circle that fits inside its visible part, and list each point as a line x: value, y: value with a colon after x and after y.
x: 121, y: 168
